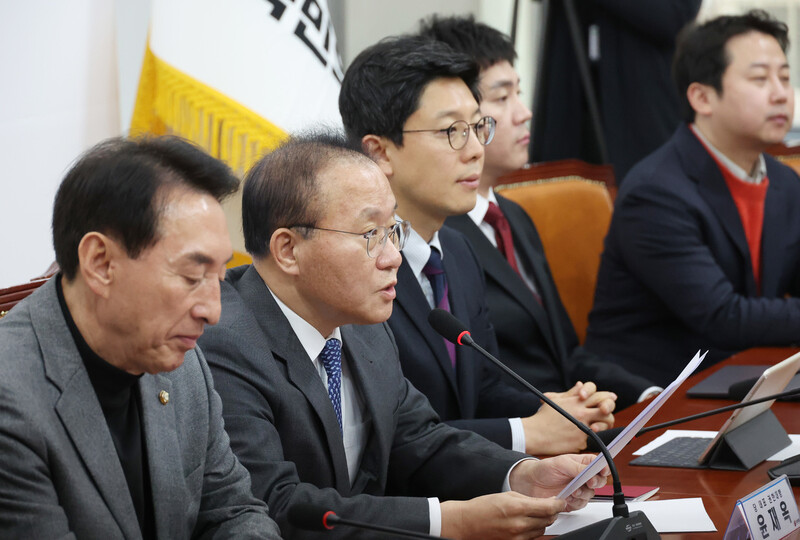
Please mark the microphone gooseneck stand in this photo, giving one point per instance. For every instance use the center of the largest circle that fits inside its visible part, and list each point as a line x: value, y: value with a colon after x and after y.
x: 623, y: 525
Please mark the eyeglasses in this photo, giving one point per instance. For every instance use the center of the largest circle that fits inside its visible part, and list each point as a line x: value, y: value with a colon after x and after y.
x: 458, y: 132
x: 376, y: 238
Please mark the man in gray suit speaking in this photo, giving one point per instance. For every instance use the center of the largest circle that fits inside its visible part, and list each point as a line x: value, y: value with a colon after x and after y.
x: 109, y: 423
x: 314, y: 398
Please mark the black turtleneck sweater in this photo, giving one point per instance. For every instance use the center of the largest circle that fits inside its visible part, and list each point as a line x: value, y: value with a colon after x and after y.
x: 119, y: 398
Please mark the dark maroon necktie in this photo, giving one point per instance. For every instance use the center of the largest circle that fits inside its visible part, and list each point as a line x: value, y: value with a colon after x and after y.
x: 502, y: 233
x: 505, y: 242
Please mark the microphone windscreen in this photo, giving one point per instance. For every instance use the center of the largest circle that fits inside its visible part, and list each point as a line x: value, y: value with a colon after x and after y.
x: 606, y: 436
x: 307, y: 516
x: 446, y: 325
x: 737, y: 391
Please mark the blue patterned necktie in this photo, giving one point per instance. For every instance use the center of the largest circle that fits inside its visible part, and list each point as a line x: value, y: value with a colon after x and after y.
x: 331, y: 357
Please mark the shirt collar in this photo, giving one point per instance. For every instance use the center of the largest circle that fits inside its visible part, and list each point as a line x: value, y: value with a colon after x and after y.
x: 758, y: 174
x: 478, y: 213
x: 417, y: 251
x: 312, y: 341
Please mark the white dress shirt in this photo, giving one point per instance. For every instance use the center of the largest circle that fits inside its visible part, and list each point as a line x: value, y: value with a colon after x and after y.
x: 758, y: 173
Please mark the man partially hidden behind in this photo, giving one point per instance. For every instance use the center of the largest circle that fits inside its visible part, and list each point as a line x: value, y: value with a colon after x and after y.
x: 314, y: 398
x: 109, y: 423
x: 704, y: 246
x: 534, y: 333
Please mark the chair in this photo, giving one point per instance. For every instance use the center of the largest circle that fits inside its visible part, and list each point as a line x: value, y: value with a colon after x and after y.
x: 11, y: 296
x: 572, y: 215
x: 565, y: 169
x: 788, y: 155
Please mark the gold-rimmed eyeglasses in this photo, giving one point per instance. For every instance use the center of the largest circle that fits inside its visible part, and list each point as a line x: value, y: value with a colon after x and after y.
x: 376, y: 238
x: 458, y: 132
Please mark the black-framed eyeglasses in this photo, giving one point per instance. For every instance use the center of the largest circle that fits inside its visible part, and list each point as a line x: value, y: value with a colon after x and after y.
x: 376, y: 238
x: 458, y: 132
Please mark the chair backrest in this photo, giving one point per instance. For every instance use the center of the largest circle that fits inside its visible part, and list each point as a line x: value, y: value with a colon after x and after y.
x: 564, y: 169
x: 572, y: 216
x: 11, y: 296
x: 789, y: 155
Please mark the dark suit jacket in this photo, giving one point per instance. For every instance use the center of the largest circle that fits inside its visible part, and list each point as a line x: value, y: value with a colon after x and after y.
x: 477, y: 395
x: 61, y: 477
x: 537, y: 339
x: 284, y: 430
x: 676, y: 274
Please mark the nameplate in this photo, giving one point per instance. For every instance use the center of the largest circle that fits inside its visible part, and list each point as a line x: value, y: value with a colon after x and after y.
x: 768, y: 512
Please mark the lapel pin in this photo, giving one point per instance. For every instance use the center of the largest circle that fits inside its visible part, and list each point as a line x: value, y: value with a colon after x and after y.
x: 163, y: 397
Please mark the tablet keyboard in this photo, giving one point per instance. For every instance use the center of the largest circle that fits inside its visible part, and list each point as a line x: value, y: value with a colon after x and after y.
x: 679, y: 452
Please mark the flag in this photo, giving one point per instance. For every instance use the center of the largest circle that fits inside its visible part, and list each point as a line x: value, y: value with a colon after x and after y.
x: 236, y: 76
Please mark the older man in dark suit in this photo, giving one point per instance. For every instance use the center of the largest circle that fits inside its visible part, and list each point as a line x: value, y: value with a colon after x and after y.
x: 704, y: 246
x: 317, y: 407
x: 109, y: 423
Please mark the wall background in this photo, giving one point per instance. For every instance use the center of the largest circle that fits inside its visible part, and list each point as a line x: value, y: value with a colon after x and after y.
x: 70, y: 71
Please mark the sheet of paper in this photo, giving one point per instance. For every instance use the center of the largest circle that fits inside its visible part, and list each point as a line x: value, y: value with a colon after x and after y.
x: 632, y: 429
x: 670, y: 516
x: 791, y: 450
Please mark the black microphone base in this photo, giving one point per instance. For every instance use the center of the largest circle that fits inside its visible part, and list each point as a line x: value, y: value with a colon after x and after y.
x: 634, y: 527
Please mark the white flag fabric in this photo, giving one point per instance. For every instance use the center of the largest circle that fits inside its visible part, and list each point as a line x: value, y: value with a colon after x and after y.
x: 236, y: 76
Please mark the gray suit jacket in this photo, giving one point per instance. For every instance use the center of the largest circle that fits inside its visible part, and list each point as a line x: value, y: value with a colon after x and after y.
x: 284, y: 430
x: 61, y: 477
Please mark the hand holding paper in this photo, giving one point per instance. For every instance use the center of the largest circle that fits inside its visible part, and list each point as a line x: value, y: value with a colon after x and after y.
x: 547, y: 477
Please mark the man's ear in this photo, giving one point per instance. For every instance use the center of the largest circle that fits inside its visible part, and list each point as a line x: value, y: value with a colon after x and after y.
x: 97, y: 255
x: 701, y: 97
x: 379, y: 150
x: 282, y: 246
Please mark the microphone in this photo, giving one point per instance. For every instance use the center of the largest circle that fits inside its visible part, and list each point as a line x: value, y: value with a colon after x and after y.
x: 315, y: 517
x: 606, y: 436
x: 624, y: 525
x: 609, y: 434
x: 786, y: 393
x: 311, y: 517
x: 738, y: 390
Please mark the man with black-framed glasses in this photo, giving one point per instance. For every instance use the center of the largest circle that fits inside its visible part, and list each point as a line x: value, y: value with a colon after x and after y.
x: 412, y: 103
x: 314, y: 399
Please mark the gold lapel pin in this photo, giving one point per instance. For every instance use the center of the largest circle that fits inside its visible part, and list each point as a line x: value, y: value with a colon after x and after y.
x: 163, y: 397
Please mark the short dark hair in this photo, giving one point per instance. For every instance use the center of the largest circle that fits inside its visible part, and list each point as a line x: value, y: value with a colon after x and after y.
x: 281, y: 190
x: 484, y: 44
x: 119, y: 188
x: 700, y: 54
x: 383, y: 85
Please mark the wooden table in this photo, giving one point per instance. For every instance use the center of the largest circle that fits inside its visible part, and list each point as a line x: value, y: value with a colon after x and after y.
x: 719, y: 489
